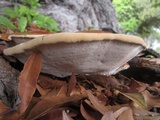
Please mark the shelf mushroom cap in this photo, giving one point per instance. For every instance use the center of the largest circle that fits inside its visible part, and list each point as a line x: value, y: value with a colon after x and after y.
x: 91, y: 53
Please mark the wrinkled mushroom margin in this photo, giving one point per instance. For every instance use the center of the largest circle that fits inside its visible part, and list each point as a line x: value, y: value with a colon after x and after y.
x: 72, y: 38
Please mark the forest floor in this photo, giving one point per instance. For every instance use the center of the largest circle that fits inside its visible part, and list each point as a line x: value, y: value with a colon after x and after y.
x: 131, y: 94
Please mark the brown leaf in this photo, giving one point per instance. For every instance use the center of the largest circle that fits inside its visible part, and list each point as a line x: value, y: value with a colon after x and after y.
x: 108, y: 116
x: 48, y: 83
x: 103, y: 99
x: 120, y: 111
x: 4, y: 36
x: 104, y: 80
x: 151, y: 100
x: 35, y: 29
x: 71, y: 84
x: 134, y: 85
x: 42, y: 91
x: 59, y: 91
x: 85, y: 114
x: 33, y: 102
x: 28, y: 80
x: 47, y: 104
x: 100, y: 107
x: 96, y: 103
x: 78, y: 90
x: 55, y: 114
x: 126, y: 115
x: 12, y: 115
x: 66, y: 116
x: 3, y: 108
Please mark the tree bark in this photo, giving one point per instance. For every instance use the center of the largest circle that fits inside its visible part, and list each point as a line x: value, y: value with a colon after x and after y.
x: 8, y: 84
x: 78, y: 15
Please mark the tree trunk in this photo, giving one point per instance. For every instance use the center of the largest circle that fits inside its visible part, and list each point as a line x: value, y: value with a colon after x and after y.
x: 78, y: 15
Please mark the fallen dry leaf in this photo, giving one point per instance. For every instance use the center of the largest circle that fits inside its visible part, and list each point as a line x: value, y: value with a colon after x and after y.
x: 42, y: 91
x: 100, y: 107
x: 55, y: 113
x: 66, y: 116
x: 3, y: 108
x: 34, y: 29
x: 151, y: 100
x: 108, y: 116
x: 133, y: 87
x: 62, y: 91
x: 59, y: 91
x: 78, y: 90
x: 126, y: 115
x: 96, y: 103
x: 4, y: 36
x: 48, y: 83
x: 71, y: 84
x: 105, y: 81
x: 135, y: 97
x: 120, y: 111
x: 12, y: 115
x: 28, y: 80
x: 47, y: 104
x: 85, y: 114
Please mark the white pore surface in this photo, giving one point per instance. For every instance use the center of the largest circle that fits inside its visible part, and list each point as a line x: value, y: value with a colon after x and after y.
x: 96, y: 57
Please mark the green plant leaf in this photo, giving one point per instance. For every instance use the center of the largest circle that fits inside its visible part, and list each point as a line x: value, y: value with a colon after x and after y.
x: 22, y: 23
x: 34, y: 4
x: 16, y: 10
x: 27, y: 14
x: 33, y: 12
x: 9, y: 12
x: 24, y: 10
x: 30, y: 20
x: 4, y: 21
x: 54, y: 25
x: 39, y: 17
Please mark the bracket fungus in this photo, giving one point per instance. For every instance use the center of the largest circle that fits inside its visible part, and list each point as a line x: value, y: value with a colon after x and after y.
x: 90, y: 53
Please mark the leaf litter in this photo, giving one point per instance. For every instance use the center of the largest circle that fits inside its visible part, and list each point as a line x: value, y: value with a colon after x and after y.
x: 81, y: 96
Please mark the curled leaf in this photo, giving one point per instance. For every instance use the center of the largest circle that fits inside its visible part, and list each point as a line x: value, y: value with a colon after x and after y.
x: 85, y: 114
x: 100, y: 107
x: 28, y: 80
x: 66, y: 116
x: 126, y: 115
x: 71, y: 84
x: 135, y: 97
x: 108, y: 116
x: 47, y: 104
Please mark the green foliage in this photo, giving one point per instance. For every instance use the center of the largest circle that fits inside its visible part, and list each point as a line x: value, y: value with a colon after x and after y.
x: 127, y: 15
x: 155, y: 3
x: 5, y: 22
x: 158, y: 50
x: 45, y: 22
x: 136, y: 16
x: 27, y: 15
x: 22, y: 23
x: 32, y: 4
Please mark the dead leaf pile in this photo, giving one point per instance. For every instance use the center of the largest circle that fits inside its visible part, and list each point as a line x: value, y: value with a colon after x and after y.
x: 90, y: 97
